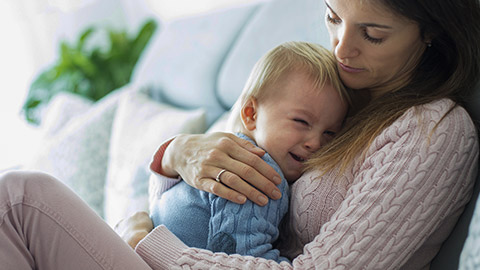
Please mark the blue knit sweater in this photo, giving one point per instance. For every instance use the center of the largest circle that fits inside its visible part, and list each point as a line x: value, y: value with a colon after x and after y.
x: 203, y: 220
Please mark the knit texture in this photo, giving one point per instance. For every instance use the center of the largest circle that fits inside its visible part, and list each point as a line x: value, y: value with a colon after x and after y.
x: 390, y: 210
x: 204, y: 220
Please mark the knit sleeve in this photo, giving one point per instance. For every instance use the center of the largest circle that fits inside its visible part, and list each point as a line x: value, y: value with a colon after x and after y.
x: 414, y: 179
x: 405, y: 197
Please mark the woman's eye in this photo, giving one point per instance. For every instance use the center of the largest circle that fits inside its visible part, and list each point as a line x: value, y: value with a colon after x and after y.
x: 373, y: 40
x: 333, y: 20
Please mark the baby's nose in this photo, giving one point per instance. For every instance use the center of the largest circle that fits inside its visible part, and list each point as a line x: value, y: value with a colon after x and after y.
x: 314, y: 142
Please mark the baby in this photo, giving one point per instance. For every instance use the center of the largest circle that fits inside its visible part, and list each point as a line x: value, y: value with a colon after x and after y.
x: 292, y: 104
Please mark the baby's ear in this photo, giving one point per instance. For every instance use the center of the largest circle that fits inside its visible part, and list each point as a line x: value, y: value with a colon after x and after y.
x: 249, y: 113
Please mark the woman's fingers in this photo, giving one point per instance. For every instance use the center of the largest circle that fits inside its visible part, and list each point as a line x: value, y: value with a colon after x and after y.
x: 246, y: 173
x: 252, y: 158
x: 222, y: 190
x: 250, y: 167
x: 249, y: 182
x: 229, y: 185
x: 198, y: 159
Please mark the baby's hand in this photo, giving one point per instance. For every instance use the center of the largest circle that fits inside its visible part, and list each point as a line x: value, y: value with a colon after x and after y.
x: 134, y: 228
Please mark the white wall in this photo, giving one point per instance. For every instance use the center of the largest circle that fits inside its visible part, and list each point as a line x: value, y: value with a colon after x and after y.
x: 16, y: 69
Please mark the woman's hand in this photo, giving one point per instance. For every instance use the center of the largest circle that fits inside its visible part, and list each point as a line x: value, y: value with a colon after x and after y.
x: 198, y: 159
x: 134, y: 228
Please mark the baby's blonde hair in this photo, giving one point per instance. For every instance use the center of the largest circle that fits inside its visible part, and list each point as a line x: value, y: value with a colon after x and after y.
x: 316, y: 61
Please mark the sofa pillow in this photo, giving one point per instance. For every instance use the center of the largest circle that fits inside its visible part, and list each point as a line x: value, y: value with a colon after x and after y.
x: 180, y: 65
x: 61, y: 109
x: 140, y: 126
x: 77, y: 154
x: 276, y: 22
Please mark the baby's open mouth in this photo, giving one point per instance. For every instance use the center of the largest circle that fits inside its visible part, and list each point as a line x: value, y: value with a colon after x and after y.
x: 297, y: 158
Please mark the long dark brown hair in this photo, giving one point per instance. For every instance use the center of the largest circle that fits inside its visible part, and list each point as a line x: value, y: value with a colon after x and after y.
x: 447, y: 69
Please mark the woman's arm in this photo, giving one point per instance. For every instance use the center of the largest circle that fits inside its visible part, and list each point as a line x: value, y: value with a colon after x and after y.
x: 402, y: 203
x: 199, y: 158
x: 405, y: 197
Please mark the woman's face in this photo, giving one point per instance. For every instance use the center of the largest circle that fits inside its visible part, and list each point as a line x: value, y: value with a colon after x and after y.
x: 375, y: 48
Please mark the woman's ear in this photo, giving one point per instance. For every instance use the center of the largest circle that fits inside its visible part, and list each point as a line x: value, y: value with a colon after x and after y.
x: 428, y: 39
x: 249, y: 113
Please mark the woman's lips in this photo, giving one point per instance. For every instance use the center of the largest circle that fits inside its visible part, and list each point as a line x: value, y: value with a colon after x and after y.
x: 350, y: 69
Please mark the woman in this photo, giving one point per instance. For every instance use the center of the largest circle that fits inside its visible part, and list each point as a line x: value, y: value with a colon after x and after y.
x: 384, y: 194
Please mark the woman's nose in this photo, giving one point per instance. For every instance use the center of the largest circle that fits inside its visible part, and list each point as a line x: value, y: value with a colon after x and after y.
x: 345, y: 44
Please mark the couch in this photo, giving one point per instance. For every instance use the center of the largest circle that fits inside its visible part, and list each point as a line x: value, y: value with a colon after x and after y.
x: 185, y: 82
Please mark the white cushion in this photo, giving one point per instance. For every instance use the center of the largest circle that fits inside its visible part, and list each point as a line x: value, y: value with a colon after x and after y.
x: 140, y: 126
x: 77, y: 153
x: 61, y: 109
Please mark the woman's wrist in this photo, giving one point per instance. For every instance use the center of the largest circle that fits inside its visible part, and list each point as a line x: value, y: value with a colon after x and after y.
x: 168, y: 160
x: 163, y: 160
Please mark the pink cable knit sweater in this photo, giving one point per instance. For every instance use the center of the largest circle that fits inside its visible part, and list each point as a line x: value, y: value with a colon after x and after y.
x: 392, y: 210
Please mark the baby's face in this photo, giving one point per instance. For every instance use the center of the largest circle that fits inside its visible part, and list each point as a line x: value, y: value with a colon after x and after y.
x: 296, y: 120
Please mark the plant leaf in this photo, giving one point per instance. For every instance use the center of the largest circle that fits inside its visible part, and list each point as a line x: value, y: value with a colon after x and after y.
x: 86, y: 34
x: 92, y: 73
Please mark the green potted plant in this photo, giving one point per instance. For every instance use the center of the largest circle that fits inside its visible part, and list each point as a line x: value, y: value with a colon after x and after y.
x: 90, y: 71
